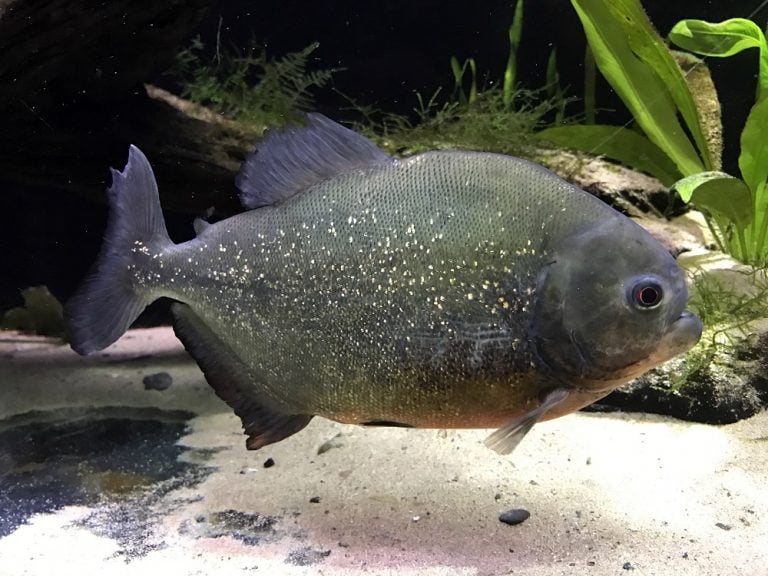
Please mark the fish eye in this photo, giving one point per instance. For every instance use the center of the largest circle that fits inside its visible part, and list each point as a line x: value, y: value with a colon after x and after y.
x: 646, y: 294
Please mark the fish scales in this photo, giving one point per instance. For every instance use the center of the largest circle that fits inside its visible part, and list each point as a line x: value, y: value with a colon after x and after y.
x: 372, y: 279
x: 412, y: 292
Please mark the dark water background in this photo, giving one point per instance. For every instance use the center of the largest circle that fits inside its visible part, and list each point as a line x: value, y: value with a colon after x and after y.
x: 52, y: 223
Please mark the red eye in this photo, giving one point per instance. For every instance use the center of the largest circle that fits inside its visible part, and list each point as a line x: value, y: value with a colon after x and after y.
x: 647, y: 295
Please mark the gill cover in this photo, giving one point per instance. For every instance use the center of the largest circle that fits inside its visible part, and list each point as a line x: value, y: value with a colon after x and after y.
x: 606, y: 303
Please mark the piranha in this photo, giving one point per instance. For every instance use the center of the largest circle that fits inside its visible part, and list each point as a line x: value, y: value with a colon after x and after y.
x: 450, y: 289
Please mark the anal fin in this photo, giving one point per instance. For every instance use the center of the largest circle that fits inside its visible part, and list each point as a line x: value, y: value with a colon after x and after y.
x: 506, y: 439
x: 263, y: 421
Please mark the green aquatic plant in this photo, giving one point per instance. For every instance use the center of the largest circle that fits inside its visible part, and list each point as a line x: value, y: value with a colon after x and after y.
x: 637, y: 64
x: 459, y: 71
x: 553, y: 88
x: 250, y: 87
x: 515, y: 34
x: 725, y: 310
x: 488, y: 124
x: 738, y: 205
x: 500, y: 118
x: 728, y: 308
x: 681, y: 139
x: 469, y: 67
x: 41, y: 314
x: 722, y: 40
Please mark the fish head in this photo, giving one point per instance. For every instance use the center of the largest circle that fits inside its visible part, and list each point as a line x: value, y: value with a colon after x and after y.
x: 610, y: 305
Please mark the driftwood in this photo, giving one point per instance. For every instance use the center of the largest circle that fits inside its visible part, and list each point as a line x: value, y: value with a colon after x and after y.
x: 72, y: 98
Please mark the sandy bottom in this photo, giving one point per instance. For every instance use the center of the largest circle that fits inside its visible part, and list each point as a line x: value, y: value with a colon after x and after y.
x: 607, y: 494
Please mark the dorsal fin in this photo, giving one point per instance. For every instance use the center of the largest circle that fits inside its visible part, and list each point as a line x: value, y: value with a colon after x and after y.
x: 293, y: 159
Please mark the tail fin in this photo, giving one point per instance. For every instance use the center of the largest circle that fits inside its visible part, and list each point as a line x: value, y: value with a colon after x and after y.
x: 108, y: 302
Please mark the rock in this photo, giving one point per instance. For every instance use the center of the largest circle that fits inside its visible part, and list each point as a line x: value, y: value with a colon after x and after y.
x: 680, y: 235
x: 514, y: 516
x: 158, y: 381
x: 723, y: 526
x: 634, y: 194
x: 630, y: 192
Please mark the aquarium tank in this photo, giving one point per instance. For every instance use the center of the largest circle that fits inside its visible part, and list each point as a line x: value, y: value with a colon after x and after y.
x: 409, y: 288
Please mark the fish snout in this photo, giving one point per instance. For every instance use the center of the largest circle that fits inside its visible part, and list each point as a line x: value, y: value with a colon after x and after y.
x: 683, y: 334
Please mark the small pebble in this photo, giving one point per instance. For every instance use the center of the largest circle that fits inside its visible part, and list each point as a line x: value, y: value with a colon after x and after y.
x: 158, y: 381
x: 514, y: 516
x: 628, y: 566
x: 723, y: 526
x: 315, y: 500
x: 268, y: 463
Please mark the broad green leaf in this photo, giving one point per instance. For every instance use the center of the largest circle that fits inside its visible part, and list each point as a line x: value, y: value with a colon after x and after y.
x: 719, y: 193
x: 621, y: 144
x: 652, y: 50
x: 753, y: 160
x: 723, y: 39
x: 753, y: 163
x: 636, y: 63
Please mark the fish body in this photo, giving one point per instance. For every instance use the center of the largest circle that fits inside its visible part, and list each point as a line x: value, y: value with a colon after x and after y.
x: 449, y: 289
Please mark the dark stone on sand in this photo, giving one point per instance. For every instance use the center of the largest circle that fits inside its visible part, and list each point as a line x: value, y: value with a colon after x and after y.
x: 723, y: 526
x: 315, y: 500
x: 158, y: 381
x: 628, y: 566
x: 514, y: 516
x: 268, y: 463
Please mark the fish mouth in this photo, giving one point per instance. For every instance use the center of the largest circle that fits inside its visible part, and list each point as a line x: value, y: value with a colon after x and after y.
x: 682, y: 335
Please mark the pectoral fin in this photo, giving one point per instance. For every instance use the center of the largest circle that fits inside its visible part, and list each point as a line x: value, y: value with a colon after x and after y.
x: 506, y: 439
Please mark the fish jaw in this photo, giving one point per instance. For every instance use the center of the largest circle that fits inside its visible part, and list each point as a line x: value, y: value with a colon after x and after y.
x: 683, y: 334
